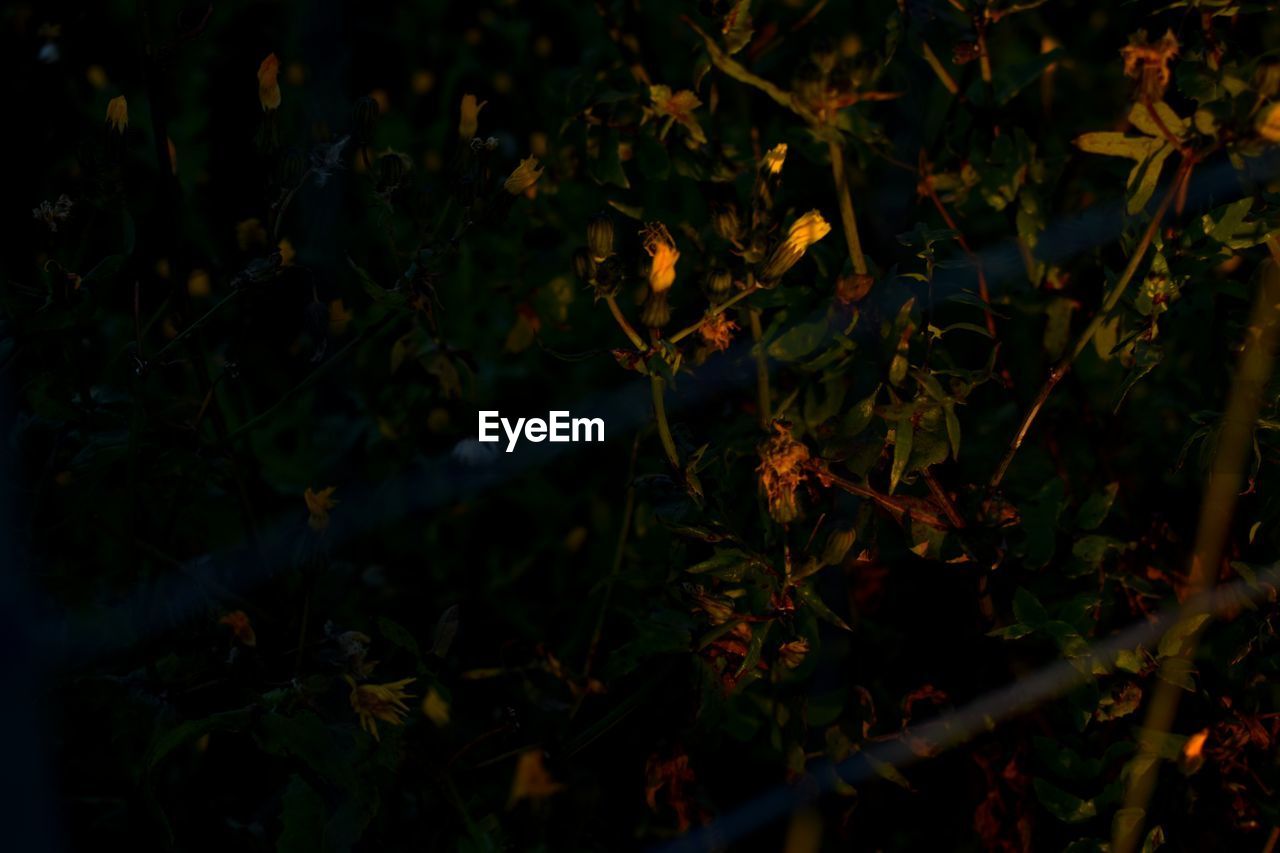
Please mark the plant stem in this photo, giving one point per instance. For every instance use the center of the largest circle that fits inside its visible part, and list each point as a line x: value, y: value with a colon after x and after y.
x: 627, y: 328
x: 938, y: 68
x: 713, y: 311
x: 847, y: 217
x: 658, y: 386
x: 763, y: 395
x: 1108, y: 303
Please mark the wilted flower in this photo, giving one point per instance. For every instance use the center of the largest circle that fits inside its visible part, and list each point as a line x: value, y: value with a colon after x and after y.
x: 524, y: 177
x: 52, y: 214
x: 240, y: 627
x: 662, y: 249
x: 268, y: 86
x: 792, y: 654
x: 373, y: 702
x: 783, y: 462
x: 717, y: 331
x: 469, y: 120
x: 531, y: 780
x: 804, y: 232
x: 678, y: 106
x: 318, y: 505
x: 118, y: 114
x: 1148, y: 62
x: 775, y: 157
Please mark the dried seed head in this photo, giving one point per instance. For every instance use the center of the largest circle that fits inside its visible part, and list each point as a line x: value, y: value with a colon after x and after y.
x: 783, y: 467
x: 1148, y: 62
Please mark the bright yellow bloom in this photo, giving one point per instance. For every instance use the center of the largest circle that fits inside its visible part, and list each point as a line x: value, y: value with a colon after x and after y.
x: 318, y: 505
x: 524, y: 177
x: 240, y: 627
x: 287, y: 252
x: 775, y: 157
x: 469, y: 122
x: 804, y: 232
x: 268, y: 86
x: 532, y: 781
x: 118, y: 114
x: 678, y: 106
x: 662, y: 249
x: 373, y: 702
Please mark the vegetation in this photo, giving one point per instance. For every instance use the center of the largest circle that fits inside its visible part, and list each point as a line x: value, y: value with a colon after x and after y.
x: 932, y: 343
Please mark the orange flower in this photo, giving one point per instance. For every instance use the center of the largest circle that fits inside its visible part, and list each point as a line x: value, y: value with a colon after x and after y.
x: 531, y: 780
x: 318, y: 505
x: 679, y: 107
x: 660, y: 246
x: 783, y: 464
x: 118, y: 114
x: 469, y: 122
x: 240, y: 626
x: 373, y: 702
x: 717, y: 331
x: 268, y: 87
x: 775, y: 157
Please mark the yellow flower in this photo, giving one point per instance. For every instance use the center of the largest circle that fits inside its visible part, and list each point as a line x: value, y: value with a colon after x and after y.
x: 287, y: 253
x: 318, y: 505
x: 804, y: 232
x: 373, y: 702
x: 524, y: 177
x: 678, y: 106
x: 662, y: 249
x: 532, y: 781
x: 1269, y: 126
x: 783, y: 466
x: 436, y: 707
x: 198, y: 286
x: 268, y: 86
x: 469, y: 121
x: 775, y: 157
x: 240, y: 627
x: 118, y: 113
x: 97, y: 76
x: 250, y: 233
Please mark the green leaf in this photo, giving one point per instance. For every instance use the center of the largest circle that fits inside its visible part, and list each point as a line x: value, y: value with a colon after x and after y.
x: 1028, y: 610
x: 1141, y: 118
x: 809, y: 596
x: 396, y: 634
x: 167, y: 741
x: 1144, y: 178
x: 798, y: 341
x: 1177, y: 636
x: 903, y: 436
x: 1066, y: 807
x: 1095, y: 509
x: 303, y: 817
x: 1118, y: 145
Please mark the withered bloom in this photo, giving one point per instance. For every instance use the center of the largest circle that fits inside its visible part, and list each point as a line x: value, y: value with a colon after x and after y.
x: 118, y: 114
x: 524, y: 177
x: 1148, y: 63
x: 783, y: 467
x: 268, y: 87
x: 717, y: 331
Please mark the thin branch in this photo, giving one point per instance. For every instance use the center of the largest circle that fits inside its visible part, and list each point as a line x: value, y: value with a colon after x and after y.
x: 627, y: 328
x: 847, y: 216
x: 657, y: 385
x: 763, y: 394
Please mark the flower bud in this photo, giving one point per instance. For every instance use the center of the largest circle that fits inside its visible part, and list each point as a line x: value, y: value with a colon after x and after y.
x: 600, y: 236
x: 524, y: 177
x: 656, y: 312
x: 364, y: 118
x: 804, y: 232
x: 583, y: 267
x: 392, y: 167
x: 838, y: 544
x: 719, y: 281
x: 725, y: 221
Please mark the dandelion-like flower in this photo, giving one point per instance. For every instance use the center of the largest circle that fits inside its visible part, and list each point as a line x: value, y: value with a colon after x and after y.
x: 118, y: 114
x: 783, y: 467
x: 524, y: 177
x: 469, y: 118
x: 662, y: 249
x: 775, y: 157
x: 804, y: 232
x: 318, y: 505
x: 268, y: 85
x: 373, y: 702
